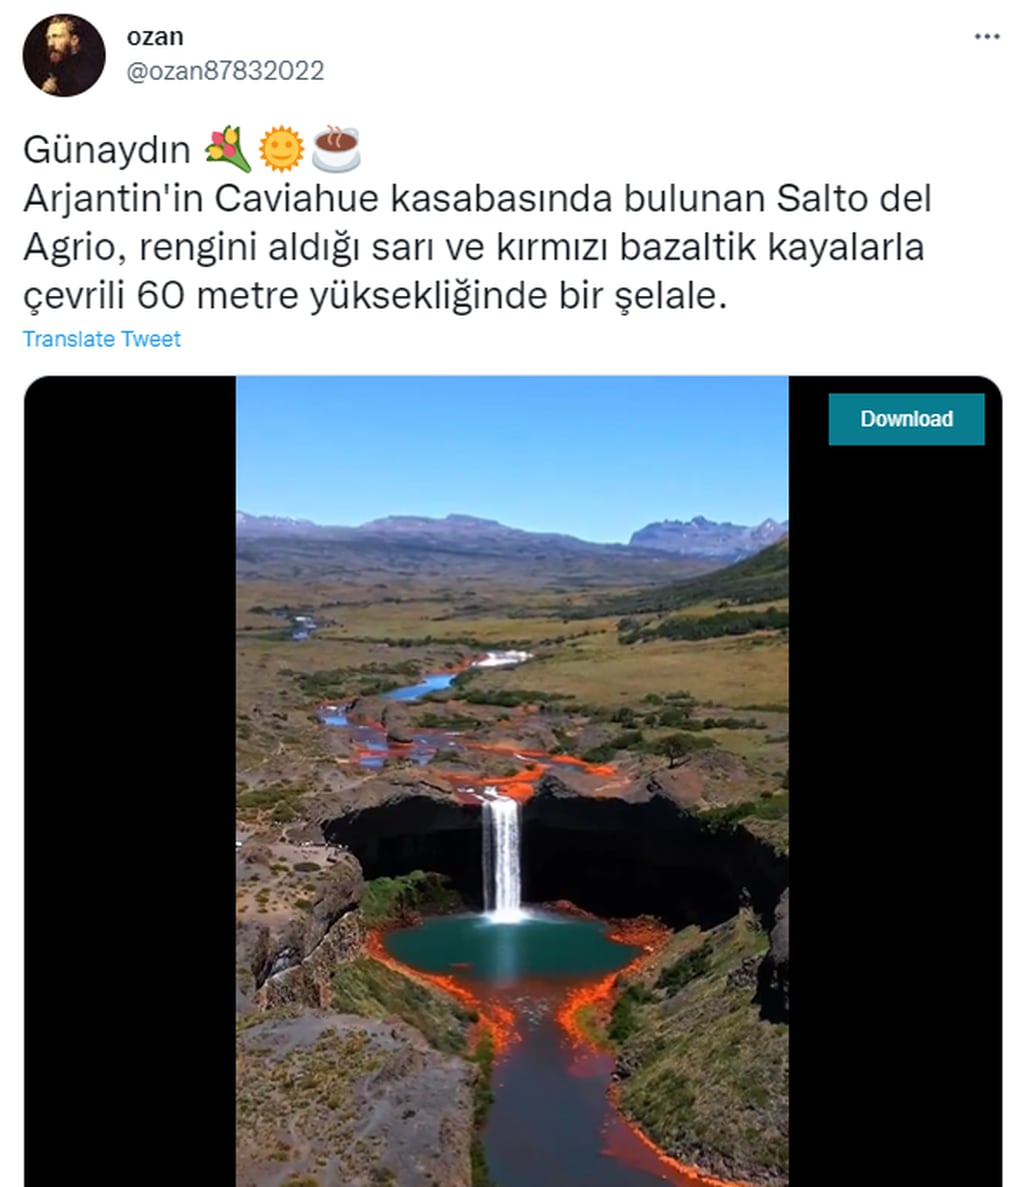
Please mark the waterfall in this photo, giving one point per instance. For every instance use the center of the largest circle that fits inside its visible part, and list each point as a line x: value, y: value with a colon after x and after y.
x: 502, y: 889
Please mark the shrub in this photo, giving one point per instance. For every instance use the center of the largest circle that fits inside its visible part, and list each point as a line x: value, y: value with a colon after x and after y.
x: 728, y: 622
x: 627, y: 740
x: 385, y: 900
x: 624, y: 1013
x: 599, y: 754
x: 773, y: 807
x: 675, y: 717
x: 692, y: 965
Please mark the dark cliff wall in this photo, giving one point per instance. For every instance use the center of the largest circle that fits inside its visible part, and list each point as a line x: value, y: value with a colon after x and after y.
x: 416, y: 832
x: 610, y: 856
x: 619, y: 858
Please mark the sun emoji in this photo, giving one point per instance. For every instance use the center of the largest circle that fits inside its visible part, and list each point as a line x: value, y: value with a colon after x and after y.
x: 281, y: 148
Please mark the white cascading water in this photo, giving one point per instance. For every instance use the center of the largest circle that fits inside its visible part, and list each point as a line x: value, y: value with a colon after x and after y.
x: 502, y: 878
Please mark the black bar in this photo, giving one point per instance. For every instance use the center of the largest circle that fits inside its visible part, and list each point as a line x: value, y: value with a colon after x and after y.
x: 129, y: 757
x: 896, y: 780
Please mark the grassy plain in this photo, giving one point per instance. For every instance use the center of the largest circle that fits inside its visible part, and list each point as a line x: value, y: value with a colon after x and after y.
x: 381, y: 630
x: 598, y: 670
x: 735, y: 671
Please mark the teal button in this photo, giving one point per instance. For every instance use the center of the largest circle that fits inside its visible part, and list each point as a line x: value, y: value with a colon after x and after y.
x: 916, y: 418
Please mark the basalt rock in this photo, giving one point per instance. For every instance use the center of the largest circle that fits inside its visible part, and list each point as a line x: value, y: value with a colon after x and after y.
x: 309, y: 982
x: 397, y: 723
x: 595, y: 734
x: 569, y: 781
x: 720, y: 774
x: 529, y: 734
x: 255, y: 853
x: 773, y: 975
x: 387, y: 792
x: 304, y: 834
x: 340, y: 890
x: 367, y: 710
x: 681, y: 784
x: 744, y: 976
x: 264, y: 949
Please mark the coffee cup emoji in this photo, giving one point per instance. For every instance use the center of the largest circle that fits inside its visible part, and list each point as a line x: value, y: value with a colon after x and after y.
x: 337, y: 149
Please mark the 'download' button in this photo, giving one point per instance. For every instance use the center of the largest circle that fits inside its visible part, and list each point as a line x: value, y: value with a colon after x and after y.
x: 956, y: 418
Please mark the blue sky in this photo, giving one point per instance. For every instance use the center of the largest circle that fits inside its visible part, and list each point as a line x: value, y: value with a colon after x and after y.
x: 597, y: 457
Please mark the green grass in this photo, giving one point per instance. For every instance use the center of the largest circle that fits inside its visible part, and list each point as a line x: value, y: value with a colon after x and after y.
x: 366, y: 680
x: 599, y: 672
x: 280, y: 799
x: 625, y: 1013
x: 707, y: 1074
x: 775, y: 807
x: 692, y: 964
x: 727, y: 622
x: 372, y: 990
x: 387, y: 900
x: 757, y: 579
x: 483, y: 1098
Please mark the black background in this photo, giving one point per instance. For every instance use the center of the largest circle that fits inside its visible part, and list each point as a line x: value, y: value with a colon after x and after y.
x: 895, y: 734
x: 895, y: 770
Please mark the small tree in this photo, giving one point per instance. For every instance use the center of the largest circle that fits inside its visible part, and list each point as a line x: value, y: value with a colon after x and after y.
x: 673, y: 747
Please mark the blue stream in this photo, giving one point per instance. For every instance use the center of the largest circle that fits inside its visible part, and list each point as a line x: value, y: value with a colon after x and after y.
x: 424, y: 746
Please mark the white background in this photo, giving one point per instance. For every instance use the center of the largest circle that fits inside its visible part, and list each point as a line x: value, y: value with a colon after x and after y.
x: 557, y: 94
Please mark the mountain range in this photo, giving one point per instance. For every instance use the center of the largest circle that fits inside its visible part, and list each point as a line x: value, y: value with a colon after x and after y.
x: 727, y: 542
x: 699, y: 538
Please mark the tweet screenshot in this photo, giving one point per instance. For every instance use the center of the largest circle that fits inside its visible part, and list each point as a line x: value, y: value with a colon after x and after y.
x: 487, y: 459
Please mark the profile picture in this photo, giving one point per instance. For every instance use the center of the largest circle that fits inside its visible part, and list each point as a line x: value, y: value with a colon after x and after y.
x: 63, y: 55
